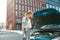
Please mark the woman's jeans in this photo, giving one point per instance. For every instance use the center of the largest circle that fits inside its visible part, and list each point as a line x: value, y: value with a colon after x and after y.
x: 27, y: 32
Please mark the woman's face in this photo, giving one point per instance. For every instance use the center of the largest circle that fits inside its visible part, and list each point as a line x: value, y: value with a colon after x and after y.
x: 31, y: 15
x: 25, y: 14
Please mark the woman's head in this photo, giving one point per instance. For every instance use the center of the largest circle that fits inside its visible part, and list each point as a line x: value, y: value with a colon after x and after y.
x: 29, y: 14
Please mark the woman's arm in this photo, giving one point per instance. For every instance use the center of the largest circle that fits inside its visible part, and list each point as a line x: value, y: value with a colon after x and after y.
x: 23, y: 27
x: 23, y: 30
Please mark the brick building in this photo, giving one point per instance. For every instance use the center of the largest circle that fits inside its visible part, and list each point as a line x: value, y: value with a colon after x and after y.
x: 16, y: 9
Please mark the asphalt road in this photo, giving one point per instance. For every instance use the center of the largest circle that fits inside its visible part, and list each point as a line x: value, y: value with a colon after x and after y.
x: 7, y: 35
x: 4, y: 35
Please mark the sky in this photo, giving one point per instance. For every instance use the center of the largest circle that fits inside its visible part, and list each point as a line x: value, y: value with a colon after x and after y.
x: 3, y: 10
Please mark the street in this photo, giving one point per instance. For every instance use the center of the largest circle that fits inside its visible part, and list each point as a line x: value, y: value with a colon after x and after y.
x: 5, y: 35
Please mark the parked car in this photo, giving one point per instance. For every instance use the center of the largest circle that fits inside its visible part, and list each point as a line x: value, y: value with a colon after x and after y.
x: 47, y: 24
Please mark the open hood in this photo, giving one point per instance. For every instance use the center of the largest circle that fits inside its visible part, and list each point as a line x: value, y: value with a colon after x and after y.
x: 46, y: 17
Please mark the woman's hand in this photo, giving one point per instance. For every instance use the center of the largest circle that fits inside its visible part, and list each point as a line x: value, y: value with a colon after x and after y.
x: 24, y: 35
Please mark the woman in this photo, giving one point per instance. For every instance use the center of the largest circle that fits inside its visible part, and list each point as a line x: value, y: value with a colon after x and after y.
x: 26, y: 25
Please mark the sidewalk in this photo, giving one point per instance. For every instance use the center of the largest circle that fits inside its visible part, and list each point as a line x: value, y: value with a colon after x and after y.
x: 17, y: 31
x: 11, y: 35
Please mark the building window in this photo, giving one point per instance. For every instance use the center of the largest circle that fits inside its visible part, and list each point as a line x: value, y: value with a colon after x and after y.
x: 23, y: 1
x: 18, y: 27
x: 33, y: 9
x: 16, y: 13
x: 17, y: 1
x: 35, y: 4
x: 54, y: 7
x: 29, y: 8
x: 22, y: 13
x: 40, y: 5
x: 43, y: 4
x: 29, y: 2
x: 20, y: 1
x: 59, y: 9
x: 19, y: 7
x: 25, y: 8
x: 22, y: 8
x: 51, y: 6
x: 47, y: 6
x: 36, y: 9
x: 26, y: 2
x: 18, y: 20
x: 16, y: 6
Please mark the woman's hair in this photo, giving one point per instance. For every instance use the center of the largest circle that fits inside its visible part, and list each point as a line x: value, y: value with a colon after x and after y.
x: 29, y: 12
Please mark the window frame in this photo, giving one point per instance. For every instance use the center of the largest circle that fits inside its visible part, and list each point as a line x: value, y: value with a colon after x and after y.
x: 16, y: 13
x: 17, y: 6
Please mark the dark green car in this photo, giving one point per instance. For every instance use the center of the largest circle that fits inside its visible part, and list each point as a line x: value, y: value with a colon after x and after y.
x: 47, y: 24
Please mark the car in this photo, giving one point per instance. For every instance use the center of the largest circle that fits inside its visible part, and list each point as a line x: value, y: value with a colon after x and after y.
x: 47, y: 24
x: 58, y: 38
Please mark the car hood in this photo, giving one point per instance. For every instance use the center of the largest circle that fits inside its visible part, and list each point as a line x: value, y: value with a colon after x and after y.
x: 46, y: 17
